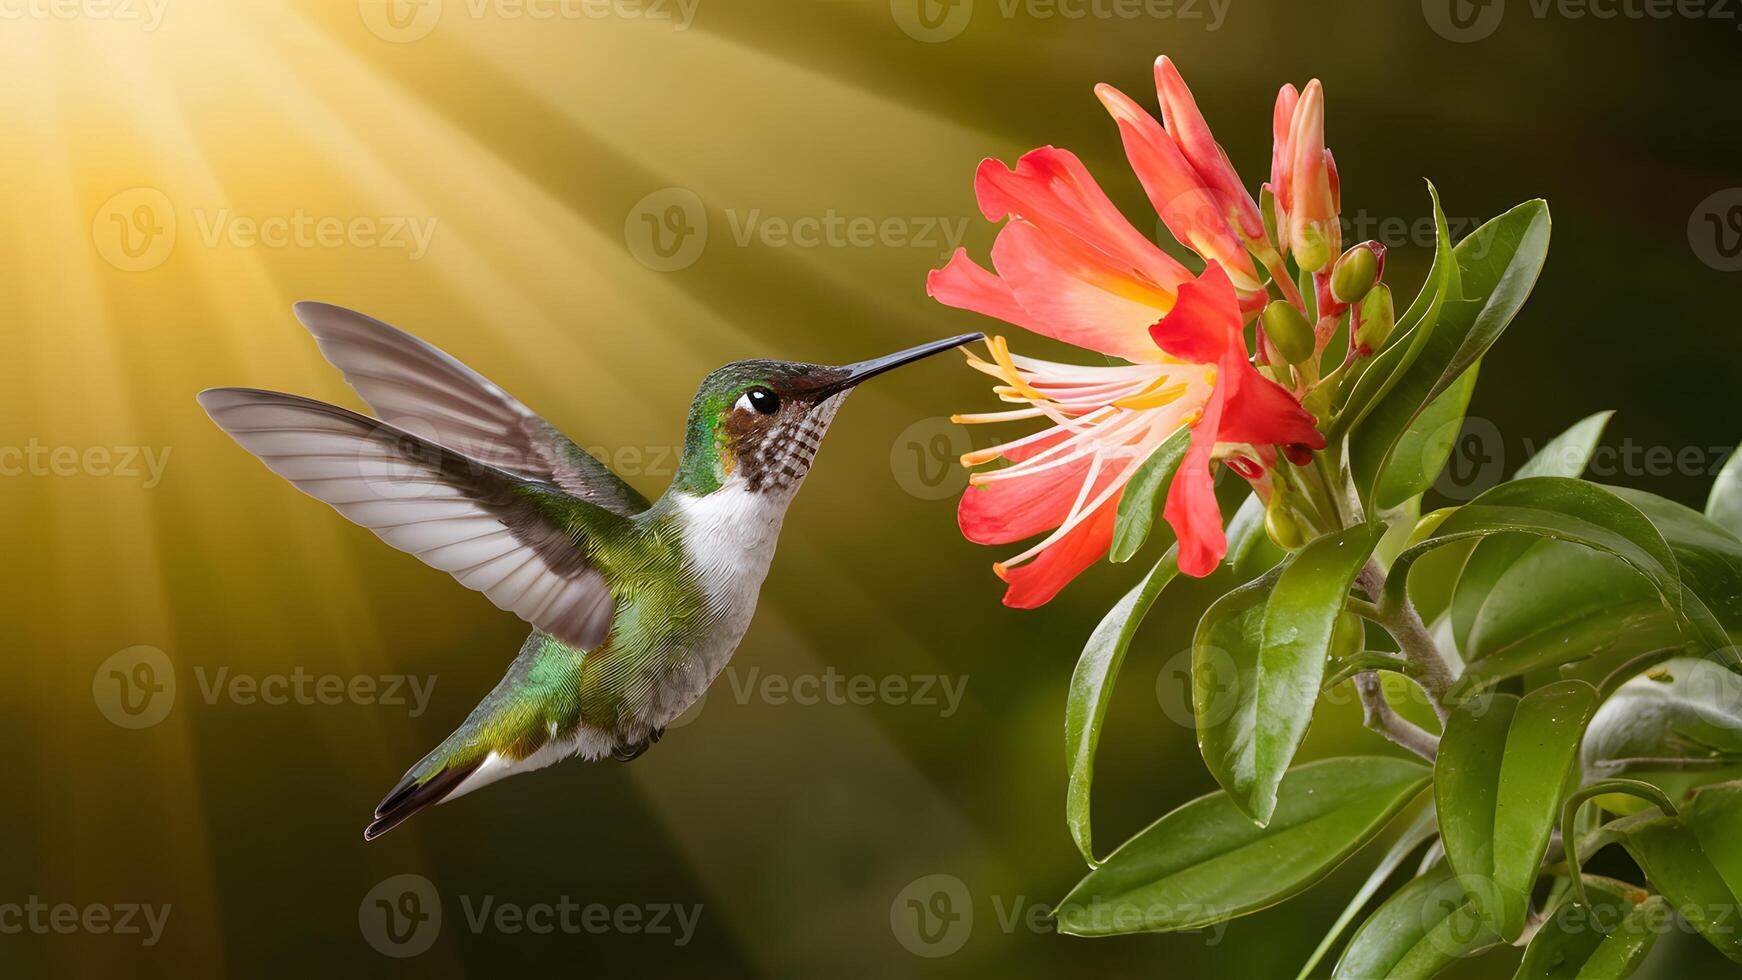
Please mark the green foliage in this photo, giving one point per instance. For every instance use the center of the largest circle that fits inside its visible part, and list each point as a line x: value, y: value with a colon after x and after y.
x: 1607, y: 935
x: 1724, y: 506
x: 1259, y: 658
x: 1496, y: 267
x: 1207, y: 861
x: 1425, y: 927
x: 1091, y: 688
x: 1576, y: 643
x: 1141, y: 503
x: 1503, y: 764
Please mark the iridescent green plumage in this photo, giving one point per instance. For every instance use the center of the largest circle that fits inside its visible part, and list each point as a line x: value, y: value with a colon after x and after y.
x: 635, y: 607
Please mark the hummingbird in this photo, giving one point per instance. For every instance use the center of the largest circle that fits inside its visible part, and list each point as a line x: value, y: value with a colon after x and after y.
x: 635, y: 606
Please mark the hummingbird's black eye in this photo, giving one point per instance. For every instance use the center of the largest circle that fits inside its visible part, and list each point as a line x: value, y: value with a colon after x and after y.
x: 760, y: 399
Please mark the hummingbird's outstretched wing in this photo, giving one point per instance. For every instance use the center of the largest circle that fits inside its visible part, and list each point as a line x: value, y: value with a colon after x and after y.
x: 404, y: 379
x: 529, y: 546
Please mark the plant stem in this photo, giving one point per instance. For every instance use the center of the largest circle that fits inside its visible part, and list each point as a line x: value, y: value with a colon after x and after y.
x: 1378, y: 715
x: 1405, y: 626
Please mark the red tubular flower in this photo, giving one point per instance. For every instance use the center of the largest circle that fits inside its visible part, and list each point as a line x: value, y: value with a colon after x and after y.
x: 1188, y: 128
x: 1187, y: 204
x: 1069, y: 266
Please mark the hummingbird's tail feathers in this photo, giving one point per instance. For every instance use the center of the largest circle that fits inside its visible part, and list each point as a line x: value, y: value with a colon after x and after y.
x: 420, y: 387
x: 531, y: 719
x: 525, y: 545
x: 412, y: 796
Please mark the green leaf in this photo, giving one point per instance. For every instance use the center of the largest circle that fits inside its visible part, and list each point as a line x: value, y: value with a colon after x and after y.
x: 1607, y: 938
x: 1484, y: 563
x: 1676, y: 726
x: 1669, y: 851
x: 1570, y: 452
x: 1436, y: 574
x: 1555, y: 603
x: 1498, y: 782
x: 1418, y: 834
x: 1559, y: 603
x: 1624, y: 950
x: 1422, y: 929
x: 1716, y: 816
x: 1206, y: 861
x: 1424, y: 447
x: 1258, y: 660
x: 1141, y: 503
x: 1724, y: 506
x: 1708, y: 561
x: 1092, y: 690
x: 1554, y: 507
x: 1408, y: 337
x: 1497, y: 268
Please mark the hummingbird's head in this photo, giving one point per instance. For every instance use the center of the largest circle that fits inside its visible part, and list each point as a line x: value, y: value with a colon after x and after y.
x: 758, y: 423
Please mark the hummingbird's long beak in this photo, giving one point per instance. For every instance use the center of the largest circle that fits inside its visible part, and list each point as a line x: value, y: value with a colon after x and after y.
x: 864, y: 370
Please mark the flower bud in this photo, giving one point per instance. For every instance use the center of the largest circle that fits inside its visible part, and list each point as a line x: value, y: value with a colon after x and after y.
x: 1355, y: 273
x: 1289, y: 332
x: 1349, y: 637
x: 1315, y: 237
x: 1280, y: 525
x: 1378, y: 316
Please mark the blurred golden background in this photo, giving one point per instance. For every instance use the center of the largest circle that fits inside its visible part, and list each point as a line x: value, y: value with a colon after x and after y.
x: 593, y: 202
